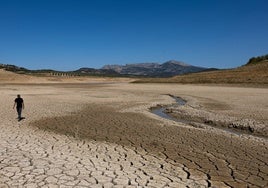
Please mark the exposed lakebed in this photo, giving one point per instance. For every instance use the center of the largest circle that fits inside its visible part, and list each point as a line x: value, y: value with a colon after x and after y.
x: 171, y: 112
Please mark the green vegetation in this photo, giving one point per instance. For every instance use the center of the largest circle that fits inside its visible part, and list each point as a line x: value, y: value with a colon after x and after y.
x: 13, y: 68
x: 256, y: 60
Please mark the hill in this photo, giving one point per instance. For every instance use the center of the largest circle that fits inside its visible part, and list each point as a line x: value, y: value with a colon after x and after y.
x: 255, y: 71
x: 50, y: 72
x: 257, y: 60
x: 251, y: 73
x: 94, y: 72
x: 7, y: 76
x: 167, y: 69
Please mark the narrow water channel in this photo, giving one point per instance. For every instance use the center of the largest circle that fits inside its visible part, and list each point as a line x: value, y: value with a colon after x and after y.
x: 161, y: 111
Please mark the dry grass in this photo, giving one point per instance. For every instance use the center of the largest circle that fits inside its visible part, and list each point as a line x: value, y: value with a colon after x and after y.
x: 251, y: 74
x: 254, y: 75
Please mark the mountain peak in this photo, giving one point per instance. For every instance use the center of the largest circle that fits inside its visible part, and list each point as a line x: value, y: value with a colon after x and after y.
x: 177, y: 63
x: 167, y: 69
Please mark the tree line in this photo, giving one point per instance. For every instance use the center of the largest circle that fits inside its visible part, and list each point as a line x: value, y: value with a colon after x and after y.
x: 258, y: 59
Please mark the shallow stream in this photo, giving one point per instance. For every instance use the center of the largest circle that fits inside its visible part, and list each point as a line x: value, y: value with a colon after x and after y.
x: 161, y: 111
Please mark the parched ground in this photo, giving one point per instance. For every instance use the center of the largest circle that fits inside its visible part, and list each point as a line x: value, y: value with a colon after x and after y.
x: 103, y: 135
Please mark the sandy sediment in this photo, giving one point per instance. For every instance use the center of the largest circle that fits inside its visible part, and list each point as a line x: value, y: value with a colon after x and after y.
x: 198, y: 117
x: 106, y: 136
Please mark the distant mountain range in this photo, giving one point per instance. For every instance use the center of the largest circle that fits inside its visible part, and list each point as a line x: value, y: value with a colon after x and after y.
x: 255, y: 72
x: 167, y: 69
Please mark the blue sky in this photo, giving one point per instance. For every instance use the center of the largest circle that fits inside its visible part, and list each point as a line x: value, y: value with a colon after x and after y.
x: 70, y: 34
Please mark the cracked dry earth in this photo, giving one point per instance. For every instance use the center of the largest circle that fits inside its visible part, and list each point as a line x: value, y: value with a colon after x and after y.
x: 104, y: 136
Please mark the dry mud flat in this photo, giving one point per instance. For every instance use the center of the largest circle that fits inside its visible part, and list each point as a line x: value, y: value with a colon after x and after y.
x: 105, y: 136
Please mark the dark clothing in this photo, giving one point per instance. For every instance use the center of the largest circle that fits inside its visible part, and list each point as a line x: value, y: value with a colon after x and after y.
x: 19, y: 110
x: 19, y: 102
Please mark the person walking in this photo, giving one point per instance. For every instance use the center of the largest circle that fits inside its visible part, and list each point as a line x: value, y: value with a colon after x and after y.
x: 19, y: 105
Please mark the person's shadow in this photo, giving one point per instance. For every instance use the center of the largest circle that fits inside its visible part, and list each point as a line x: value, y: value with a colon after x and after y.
x: 22, y: 118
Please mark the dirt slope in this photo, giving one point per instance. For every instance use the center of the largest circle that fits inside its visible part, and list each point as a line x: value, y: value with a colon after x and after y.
x: 250, y: 74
